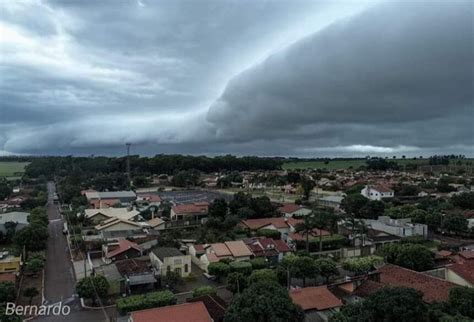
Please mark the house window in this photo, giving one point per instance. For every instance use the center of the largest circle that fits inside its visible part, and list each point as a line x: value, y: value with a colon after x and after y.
x: 185, y: 268
x: 168, y: 268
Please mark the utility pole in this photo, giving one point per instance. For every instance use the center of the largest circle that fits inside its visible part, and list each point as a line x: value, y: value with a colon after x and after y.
x: 128, y: 164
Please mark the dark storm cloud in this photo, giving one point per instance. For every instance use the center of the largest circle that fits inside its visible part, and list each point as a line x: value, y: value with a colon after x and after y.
x: 395, y: 75
x: 86, y: 76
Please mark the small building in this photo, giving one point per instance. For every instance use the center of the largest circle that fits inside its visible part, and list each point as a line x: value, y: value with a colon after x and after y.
x: 211, y: 253
x: 114, y: 224
x: 377, y: 192
x: 96, y: 216
x: 292, y: 209
x: 138, y: 275
x: 18, y: 219
x: 283, y: 225
x: 333, y: 201
x: 399, y: 227
x: 462, y: 271
x: 9, y: 263
x: 169, y: 259
x: 195, y: 312
x: 318, y: 303
x: 123, y: 249
x: 272, y: 250
x: 109, y: 198
x: 193, y: 211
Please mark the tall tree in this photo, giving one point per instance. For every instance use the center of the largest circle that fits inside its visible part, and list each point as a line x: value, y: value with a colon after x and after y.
x: 263, y: 301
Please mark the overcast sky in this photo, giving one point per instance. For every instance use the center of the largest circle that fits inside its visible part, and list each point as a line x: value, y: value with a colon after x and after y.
x: 301, y: 78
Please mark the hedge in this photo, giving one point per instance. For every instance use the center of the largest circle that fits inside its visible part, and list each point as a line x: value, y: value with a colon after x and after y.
x: 145, y: 301
x: 241, y: 267
x: 258, y: 263
x: 204, y: 290
x: 269, y: 233
x: 329, y: 243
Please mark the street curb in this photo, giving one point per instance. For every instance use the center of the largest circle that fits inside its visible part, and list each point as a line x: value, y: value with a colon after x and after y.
x: 95, y: 307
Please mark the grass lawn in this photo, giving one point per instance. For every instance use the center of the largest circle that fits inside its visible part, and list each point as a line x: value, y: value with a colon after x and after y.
x: 12, y: 169
x: 342, y: 164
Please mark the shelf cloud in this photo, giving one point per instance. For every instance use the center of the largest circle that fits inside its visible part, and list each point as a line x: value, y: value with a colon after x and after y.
x: 300, y: 78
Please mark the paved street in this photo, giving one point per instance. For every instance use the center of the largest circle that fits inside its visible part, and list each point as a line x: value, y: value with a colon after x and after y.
x: 59, y: 275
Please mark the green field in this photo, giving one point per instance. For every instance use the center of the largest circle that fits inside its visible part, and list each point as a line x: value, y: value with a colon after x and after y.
x: 12, y: 169
x: 342, y: 164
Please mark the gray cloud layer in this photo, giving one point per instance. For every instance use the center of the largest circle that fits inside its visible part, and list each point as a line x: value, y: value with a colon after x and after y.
x: 312, y: 78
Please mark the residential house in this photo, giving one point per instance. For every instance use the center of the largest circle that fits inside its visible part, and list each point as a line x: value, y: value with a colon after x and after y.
x: 9, y: 263
x: 18, y: 219
x: 434, y: 289
x: 462, y: 271
x: 318, y: 303
x: 283, y: 225
x: 292, y: 209
x: 168, y: 259
x: 96, y: 216
x: 398, y: 227
x: 377, y: 192
x: 333, y: 201
x: 109, y: 198
x: 193, y: 211
x: 116, y: 224
x: 122, y: 249
x: 195, y: 312
x: 138, y: 275
x: 211, y: 253
x: 272, y: 250
x: 294, y: 237
x: 214, y: 305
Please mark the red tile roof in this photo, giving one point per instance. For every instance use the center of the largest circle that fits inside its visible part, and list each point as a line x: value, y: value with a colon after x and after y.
x: 278, y: 222
x: 289, y: 208
x: 382, y: 188
x: 467, y: 254
x: 238, y: 248
x: 433, y: 289
x: 195, y: 312
x: 465, y: 269
x: 191, y: 208
x: 315, y: 298
x: 123, y: 246
x: 367, y: 288
x: 7, y: 277
x: 281, y: 246
x: 302, y: 236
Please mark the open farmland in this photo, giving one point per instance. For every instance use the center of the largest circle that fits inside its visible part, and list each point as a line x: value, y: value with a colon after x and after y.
x: 12, y: 168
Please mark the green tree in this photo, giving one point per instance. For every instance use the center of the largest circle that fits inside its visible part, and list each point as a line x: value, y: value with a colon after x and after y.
x: 388, y: 305
x: 307, y: 185
x: 219, y: 270
x: 236, y: 282
x: 204, y: 290
x: 171, y: 279
x: 454, y: 223
x: 353, y: 204
x: 30, y: 292
x: 306, y: 227
x: 361, y: 265
x: 304, y: 267
x: 7, y: 292
x: 326, y: 267
x: 264, y: 274
x: 33, y: 237
x: 412, y: 256
x: 372, y: 209
x: 92, y: 287
x: 462, y: 299
x: 34, y: 265
x: 263, y: 301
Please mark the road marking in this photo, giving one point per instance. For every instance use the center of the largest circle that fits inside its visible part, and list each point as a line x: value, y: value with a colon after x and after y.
x: 54, y: 220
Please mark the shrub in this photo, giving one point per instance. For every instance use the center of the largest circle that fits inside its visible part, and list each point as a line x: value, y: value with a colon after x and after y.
x: 258, y: 263
x: 265, y: 274
x: 269, y: 233
x: 145, y: 301
x: 241, y: 267
x: 204, y: 290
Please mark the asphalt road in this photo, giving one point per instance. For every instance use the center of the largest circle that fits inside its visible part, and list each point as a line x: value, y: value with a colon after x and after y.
x: 59, y: 284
